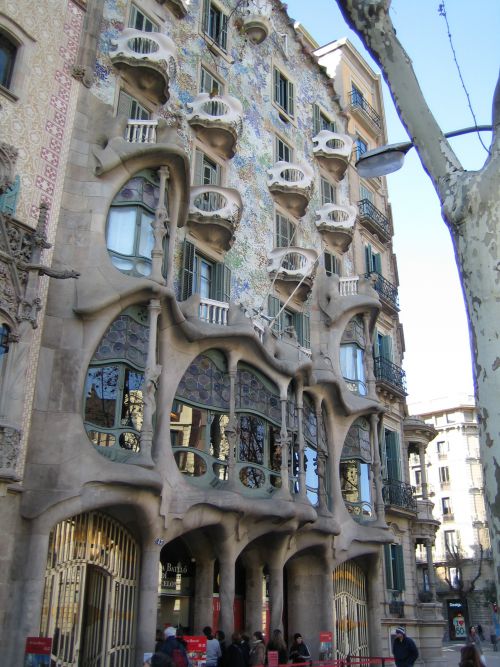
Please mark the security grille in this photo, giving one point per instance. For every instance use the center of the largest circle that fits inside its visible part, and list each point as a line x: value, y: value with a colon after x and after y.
x: 350, y: 609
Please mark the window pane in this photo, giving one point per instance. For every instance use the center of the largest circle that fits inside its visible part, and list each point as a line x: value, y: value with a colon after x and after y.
x: 132, y: 405
x: 101, y: 390
x: 252, y: 439
x: 121, y: 229
x: 146, y: 240
x: 311, y: 470
x: 7, y: 58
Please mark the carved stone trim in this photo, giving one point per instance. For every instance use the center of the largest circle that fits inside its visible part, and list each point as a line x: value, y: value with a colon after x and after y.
x: 8, y: 158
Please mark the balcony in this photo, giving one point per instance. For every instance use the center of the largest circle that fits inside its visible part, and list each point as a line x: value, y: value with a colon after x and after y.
x: 390, y: 377
x: 217, y: 121
x: 214, y: 214
x: 363, y: 110
x: 397, y: 608
x: 148, y: 59
x: 293, y: 267
x: 213, y: 312
x: 333, y: 151
x: 141, y: 131
x: 337, y: 223
x: 256, y: 22
x: 387, y: 291
x: 399, y: 495
x: 291, y: 186
x: 374, y: 220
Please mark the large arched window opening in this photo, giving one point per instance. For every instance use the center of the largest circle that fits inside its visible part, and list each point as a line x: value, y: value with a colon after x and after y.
x: 352, y: 356
x: 311, y: 434
x: 129, y: 231
x: 114, y: 406
x: 355, y: 471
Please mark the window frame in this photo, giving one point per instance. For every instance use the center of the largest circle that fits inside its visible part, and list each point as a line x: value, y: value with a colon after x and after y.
x: 289, y: 235
x: 25, y: 45
x: 280, y: 145
x: 325, y: 186
x: 394, y: 567
x: 322, y: 120
x: 300, y: 320
x: 218, y: 38
x: 220, y: 280
x: 200, y: 158
x: 141, y: 113
x: 332, y: 262
x: 361, y: 146
x: 283, y: 93
x: 444, y: 474
x: 134, y: 11
x: 205, y: 71
x: 9, y: 41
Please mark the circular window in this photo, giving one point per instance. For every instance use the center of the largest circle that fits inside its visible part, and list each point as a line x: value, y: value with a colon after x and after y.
x: 190, y: 463
x: 143, y: 45
x: 252, y: 478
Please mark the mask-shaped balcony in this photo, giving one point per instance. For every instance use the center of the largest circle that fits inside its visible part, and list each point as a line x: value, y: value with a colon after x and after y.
x: 148, y: 59
x: 214, y: 214
x: 293, y: 268
x: 256, y: 22
x: 333, y: 151
x: 291, y: 186
x: 217, y: 121
x: 337, y: 223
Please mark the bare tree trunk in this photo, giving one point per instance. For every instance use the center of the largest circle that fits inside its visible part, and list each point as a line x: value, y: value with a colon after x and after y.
x: 470, y: 208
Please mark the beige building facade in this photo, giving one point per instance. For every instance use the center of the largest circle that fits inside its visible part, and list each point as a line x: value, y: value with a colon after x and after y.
x: 203, y: 407
x: 462, y: 554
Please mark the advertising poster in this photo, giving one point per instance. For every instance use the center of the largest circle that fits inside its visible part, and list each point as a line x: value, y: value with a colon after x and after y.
x: 196, y: 649
x: 272, y: 658
x: 325, y: 646
x: 37, y: 652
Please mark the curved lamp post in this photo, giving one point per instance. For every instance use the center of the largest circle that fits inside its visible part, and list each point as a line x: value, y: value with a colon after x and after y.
x: 387, y: 159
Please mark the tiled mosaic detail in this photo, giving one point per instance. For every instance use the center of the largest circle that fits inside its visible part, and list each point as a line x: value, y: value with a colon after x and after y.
x: 204, y: 384
x: 124, y: 339
x: 252, y: 394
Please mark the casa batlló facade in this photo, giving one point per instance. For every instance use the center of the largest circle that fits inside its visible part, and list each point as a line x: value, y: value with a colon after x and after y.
x: 202, y: 407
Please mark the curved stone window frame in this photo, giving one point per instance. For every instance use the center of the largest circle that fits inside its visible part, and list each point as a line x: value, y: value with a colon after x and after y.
x: 352, y: 365
x: 129, y: 230
x: 310, y: 433
x: 355, y: 471
x: 120, y: 362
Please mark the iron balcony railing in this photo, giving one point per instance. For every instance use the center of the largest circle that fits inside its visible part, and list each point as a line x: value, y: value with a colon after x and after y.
x: 359, y: 103
x: 386, y: 289
x: 399, y: 494
x: 370, y: 214
x: 386, y: 371
x: 397, y: 608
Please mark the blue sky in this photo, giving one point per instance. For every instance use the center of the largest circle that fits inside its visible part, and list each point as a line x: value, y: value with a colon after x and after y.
x: 437, y: 358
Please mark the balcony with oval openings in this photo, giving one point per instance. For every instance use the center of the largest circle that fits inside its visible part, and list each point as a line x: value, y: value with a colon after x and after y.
x: 214, y: 214
x: 291, y: 185
x: 148, y: 61
x: 217, y: 121
x: 293, y: 269
x: 337, y: 223
x: 333, y: 151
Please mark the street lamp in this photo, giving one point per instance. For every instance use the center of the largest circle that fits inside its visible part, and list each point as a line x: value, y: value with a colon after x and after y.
x: 387, y: 159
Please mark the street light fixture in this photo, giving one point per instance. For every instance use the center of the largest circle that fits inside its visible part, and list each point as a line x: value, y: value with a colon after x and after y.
x: 387, y: 159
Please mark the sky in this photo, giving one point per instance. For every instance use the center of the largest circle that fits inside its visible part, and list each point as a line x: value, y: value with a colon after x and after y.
x: 437, y: 358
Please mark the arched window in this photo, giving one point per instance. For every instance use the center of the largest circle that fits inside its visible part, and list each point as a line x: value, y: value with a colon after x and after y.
x: 8, y: 52
x: 355, y: 464
x: 310, y: 431
x: 129, y: 233
x: 114, y: 406
x: 352, y: 356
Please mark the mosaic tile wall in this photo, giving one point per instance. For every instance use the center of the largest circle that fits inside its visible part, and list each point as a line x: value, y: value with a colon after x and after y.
x: 247, y: 74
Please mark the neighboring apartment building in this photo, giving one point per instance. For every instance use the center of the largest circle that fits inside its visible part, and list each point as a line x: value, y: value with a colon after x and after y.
x: 202, y: 412
x: 454, y: 476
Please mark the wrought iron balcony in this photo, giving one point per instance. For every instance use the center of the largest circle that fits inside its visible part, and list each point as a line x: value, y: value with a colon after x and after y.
x: 387, y: 291
x: 399, y: 494
x: 359, y: 104
x: 374, y: 220
x: 397, y: 608
x: 388, y: 373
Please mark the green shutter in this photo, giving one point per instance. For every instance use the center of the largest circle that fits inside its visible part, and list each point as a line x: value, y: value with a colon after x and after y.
x: 290, y: 108
x: 377, y: 262
x: 206, y: 15
x: 399, y: 584
x: 392, y: 456
x: 276, y: 86
x: 124, y: 104
x: 223, y: 33
x: 368, y: 258
x: 273, y: 308
x: 316, y: 120
x: 221, y: 284
x: 198, y: 168
x: 187, y: 270
x: 388, y: 566
x: 385, y: 347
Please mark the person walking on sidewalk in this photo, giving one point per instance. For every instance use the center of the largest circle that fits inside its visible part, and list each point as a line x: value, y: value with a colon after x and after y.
x: 404, y: 649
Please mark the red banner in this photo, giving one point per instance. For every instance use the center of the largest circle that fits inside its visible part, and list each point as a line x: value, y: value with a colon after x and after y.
x: 38, y: 645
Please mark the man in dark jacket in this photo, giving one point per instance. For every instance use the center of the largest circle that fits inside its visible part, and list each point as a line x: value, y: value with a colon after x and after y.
x: 404, y: 649
x: 174, y: 649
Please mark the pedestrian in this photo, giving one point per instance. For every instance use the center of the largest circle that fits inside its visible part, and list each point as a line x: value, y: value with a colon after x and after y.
x: 234, y: 652
x: 470, y: 656
x: 480, y: 632
x: 245, y: 648
x: 474, y: 639
x: 277, y: 643
x: 174, y: 649
x: 258, y: 649
x: 158, y: 660
x: 299, y: 651
x: 221, y: 638
x: 404, y: 649
x: 213, y: 648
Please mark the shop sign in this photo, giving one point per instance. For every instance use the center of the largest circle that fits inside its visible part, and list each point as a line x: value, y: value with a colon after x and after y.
x: 196, y: 649
x: 325, y: 646
x: 38, y: 651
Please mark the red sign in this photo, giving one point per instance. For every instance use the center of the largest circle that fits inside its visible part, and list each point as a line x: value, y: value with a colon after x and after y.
x: 39, y: 645
x: 325, y: 636
x: 196, y: 644
x: 272, y: 658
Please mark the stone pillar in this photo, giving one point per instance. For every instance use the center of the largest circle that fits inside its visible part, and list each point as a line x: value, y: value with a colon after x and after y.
x: 253, y: 593
x: 151, y: 377
x: 174, y: 199
x: 148, y: 598
x: 159, y: 229
x: 284, y: 440
x: 300, y: 445
x: 377, y: 471
x: 368, y: 359
x: 423, y: 470
x: 276, y: 595
x: 204, y: 593
x: 227, y: 562
x: 322, y: 459
x: 231, y: 429
x: 327, y: 617
x: 375, y: 603
x: 430, y: 568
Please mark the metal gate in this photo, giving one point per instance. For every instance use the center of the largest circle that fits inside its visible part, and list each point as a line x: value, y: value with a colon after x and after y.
x: 89, y: 604
x: 350, y: 610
